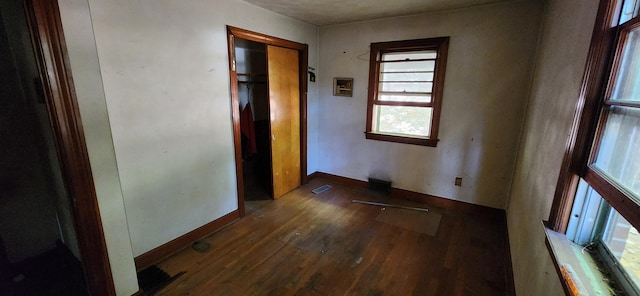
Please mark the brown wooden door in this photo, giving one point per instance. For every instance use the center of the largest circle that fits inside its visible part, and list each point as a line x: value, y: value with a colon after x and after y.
x: 284, y: 110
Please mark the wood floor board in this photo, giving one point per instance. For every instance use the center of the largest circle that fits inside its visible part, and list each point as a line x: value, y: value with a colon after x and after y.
x: 323, y: 244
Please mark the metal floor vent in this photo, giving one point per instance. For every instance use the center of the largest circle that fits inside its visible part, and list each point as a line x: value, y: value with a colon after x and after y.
x: 321, y: 189
x: 379, y: 185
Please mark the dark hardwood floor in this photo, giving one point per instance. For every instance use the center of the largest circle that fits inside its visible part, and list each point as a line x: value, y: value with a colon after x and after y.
x: 308, y: 244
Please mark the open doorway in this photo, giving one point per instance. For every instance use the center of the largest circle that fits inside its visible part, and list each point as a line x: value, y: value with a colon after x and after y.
x: 50, y: 171
x: 253, y: 99
x: 268, y: 78
x: 39, y: 251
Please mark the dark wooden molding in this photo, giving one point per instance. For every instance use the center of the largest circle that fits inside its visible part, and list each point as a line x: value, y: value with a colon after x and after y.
x: 511, y: 285
x: 303, y: 50
x: 265, y: 39
x: 311, y: 176
x: 446, y: 203
x: 304, y: 66
x: 154, y: 256
x: 616, y: 197
x: 52, y: 60
x: 436, y: 201
x: 339, y: 179
x: 400, y: 139
x: 583, y: 128
x: 618, y: 56
x: 235, y: 117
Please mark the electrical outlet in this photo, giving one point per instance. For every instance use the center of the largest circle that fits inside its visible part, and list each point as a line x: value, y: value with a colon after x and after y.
x: 458, y: 181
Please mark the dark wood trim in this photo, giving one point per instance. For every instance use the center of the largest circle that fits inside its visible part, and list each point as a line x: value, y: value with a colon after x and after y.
x: 303, y: 50
x: 312, y: 176
x: 446, y: 203
x: 51, y: 55
x: 372, y: 90
x: 154, y: 256
x: 340, y: 179
x: 618, y: 53
x: 587, y: 108
x: 304, y: 66
x: 235, y: 117
x: 401, y: 103
x: 625, y: 29
x: 433, y: 200
x: 266, y: 39
x: 632, y: 104
x: 412, y: 44
x: 438, y: 85
x: 441, y: 44
x: 616, y: 197
x: 511, y: 286
x: 401, y: 139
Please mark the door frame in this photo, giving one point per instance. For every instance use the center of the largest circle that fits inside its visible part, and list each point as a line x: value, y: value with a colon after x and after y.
x: 303, y: 56
x: 45, y: 27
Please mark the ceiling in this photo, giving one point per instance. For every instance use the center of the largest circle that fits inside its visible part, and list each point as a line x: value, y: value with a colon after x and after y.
x: 331, y: 12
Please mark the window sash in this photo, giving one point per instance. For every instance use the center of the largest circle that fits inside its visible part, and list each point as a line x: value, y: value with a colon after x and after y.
x: 421, y: 87
x: 386, y: 123
x: 407, y: 66
x: 595, y: 222
x: 595, y: 102
x: 614, y: 246
x: 611, y: 189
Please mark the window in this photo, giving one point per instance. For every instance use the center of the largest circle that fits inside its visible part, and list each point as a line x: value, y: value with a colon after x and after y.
x: 406, y: 79
x: 598, y: 195
x: 594, y: 222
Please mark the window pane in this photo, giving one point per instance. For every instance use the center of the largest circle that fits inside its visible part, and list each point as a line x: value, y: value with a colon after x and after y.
x: 413, y: 55
x: 406, y: 87
x: 629, y: 10
x: 628, y: 80
x: 618, y: 153
x: 413, y: 121
x: 411, y: 76
x: 394, y: 97
x: 623, y: 242
x: 407, y: 66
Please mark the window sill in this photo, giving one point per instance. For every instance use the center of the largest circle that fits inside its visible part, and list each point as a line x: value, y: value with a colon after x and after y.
x: 569, y: 258
x: 400, y: 139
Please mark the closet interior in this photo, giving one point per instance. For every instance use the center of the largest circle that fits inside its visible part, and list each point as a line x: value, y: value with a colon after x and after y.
x: 253, y: 95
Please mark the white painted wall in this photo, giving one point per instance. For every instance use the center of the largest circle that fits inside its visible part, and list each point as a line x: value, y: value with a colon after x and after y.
x: 558, y: 74
x: 487, y: 81
x: 83, y: 58
x: 165, y: 70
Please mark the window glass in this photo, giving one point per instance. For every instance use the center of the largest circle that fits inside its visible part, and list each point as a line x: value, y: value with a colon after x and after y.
x: 403, y: 97
x: 627, y: 85
x: 414, y: 121
x: 618, y: 154
x: 623, y: 243
x: 629, y: 10
x: 423, y: 87
x: 404, y: 76
x: 410, y: 66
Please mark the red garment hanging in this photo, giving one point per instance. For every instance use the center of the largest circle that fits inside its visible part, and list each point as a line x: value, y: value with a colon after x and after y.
x: 248, y: 131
